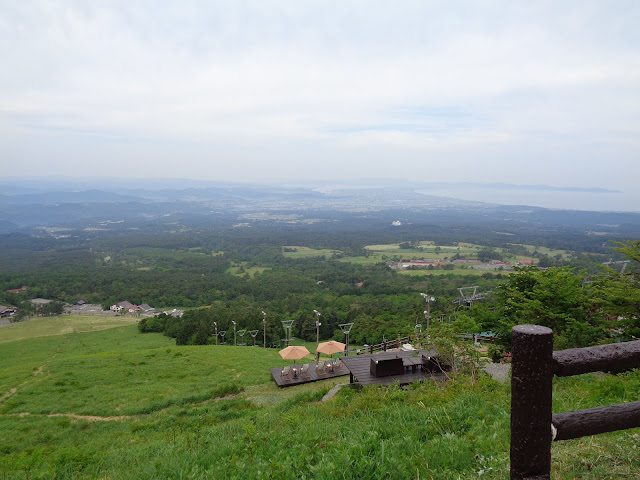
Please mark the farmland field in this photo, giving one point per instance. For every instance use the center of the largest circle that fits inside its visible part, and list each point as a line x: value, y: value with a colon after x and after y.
x: 427, y: 250
x: 547, y: 251
x: 297, y: 251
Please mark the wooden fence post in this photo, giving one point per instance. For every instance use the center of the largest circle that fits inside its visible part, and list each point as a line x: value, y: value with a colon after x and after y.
x: 531, y: 396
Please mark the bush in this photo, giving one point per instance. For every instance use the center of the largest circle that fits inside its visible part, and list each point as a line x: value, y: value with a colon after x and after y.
x: 496, y: 352
x: 153, y: 324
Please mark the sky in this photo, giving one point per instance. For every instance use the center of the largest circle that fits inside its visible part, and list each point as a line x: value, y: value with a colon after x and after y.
x: 522, y: 92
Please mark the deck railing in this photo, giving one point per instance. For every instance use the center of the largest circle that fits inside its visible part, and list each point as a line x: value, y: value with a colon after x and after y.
x: 533, y: 426
x: 387, y: 344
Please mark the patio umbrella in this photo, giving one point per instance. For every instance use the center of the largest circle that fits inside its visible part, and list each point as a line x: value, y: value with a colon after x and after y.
x: 330, y: 347
x: 293, y: 352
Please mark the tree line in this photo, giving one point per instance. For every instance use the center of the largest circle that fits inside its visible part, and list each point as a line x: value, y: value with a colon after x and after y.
x: 582, y: 309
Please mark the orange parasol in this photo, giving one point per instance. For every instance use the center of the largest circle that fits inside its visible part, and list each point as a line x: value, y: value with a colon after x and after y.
x: 330, y: 347
x: 293, y: 352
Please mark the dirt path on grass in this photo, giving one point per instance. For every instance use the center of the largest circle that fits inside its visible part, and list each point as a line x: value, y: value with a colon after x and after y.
x: 8, y: 394
x: 36, y: 372
x: 14, y: 390
x: 73, y: 416
x: 90, y: 418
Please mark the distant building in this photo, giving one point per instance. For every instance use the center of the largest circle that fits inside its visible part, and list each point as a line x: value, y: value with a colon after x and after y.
x: 7, y: 311
x: 146, y: 308
x: 421, y: 264
x: 18, y: 290
x: 498, y: 262
x: 528, y: 262
x: 396, y: 223
x: 128, y: 306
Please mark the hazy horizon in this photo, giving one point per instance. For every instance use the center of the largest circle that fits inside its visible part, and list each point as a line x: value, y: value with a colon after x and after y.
x: 484, y: 93
x: 546, y: 196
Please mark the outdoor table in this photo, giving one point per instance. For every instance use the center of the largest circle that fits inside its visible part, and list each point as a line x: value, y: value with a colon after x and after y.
x: 411, y: 362
x: 295, y: 372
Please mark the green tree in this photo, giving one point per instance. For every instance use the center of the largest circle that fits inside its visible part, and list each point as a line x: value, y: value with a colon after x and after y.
x: 459, y: 354
x: 486, y: 254
x: 556, y: 298
x: 619, y: 291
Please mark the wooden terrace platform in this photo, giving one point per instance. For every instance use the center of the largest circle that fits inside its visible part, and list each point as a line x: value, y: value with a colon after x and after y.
x: 359, y: 367
x: 313, y: 375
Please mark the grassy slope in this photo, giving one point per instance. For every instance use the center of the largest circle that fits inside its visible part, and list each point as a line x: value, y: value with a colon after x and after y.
x: 63, y: 324
x: 176, y: 419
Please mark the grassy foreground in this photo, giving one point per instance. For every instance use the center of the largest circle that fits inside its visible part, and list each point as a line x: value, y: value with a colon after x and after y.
x: 117, y: 404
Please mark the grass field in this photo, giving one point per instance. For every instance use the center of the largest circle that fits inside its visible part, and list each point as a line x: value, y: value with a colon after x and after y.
x: 117, y: 404
x: 427, y: 249
x: 63, y: 324
x: 245, y: 269
x: 384, y: 253
x: 306, y: 252
x: 548, y: 251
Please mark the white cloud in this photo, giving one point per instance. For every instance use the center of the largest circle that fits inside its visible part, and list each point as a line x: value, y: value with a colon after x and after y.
x: 494, y: 81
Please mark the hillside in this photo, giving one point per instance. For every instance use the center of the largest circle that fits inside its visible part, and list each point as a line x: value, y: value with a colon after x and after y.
x: 118, y: 404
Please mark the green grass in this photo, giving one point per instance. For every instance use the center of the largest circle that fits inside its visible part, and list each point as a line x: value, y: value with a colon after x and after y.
x: 124, y: 372
x: 62, y: 324
x: 384, y: 253
x: 306, y: 252
x: 370, y: 260
x: 244, y: 269
x: 118, y: 404
x: 547, y: 251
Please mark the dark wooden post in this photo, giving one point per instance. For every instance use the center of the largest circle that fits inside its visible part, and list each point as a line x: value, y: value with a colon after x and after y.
x: 531, y: 395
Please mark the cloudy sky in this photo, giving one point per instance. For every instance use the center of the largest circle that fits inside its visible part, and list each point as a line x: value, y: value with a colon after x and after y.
x: 542, y: 92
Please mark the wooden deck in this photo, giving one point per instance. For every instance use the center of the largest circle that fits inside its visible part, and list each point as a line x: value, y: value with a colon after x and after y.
x: 313, y: 376
x: 359, y: 367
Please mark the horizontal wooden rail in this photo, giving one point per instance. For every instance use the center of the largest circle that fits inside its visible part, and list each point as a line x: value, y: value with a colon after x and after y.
x: 533, y: 368
x: 382, y: 347
x: 593, y: 421
x: 605, y: 358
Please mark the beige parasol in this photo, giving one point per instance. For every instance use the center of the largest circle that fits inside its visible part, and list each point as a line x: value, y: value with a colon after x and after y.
x: 330, y: 347
x: 293, y: 352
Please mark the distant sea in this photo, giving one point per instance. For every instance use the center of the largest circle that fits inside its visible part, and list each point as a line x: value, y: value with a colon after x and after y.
x: 540, y: 196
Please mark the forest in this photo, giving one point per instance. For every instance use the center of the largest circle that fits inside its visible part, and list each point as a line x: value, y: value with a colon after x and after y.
x: 221, y: 273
